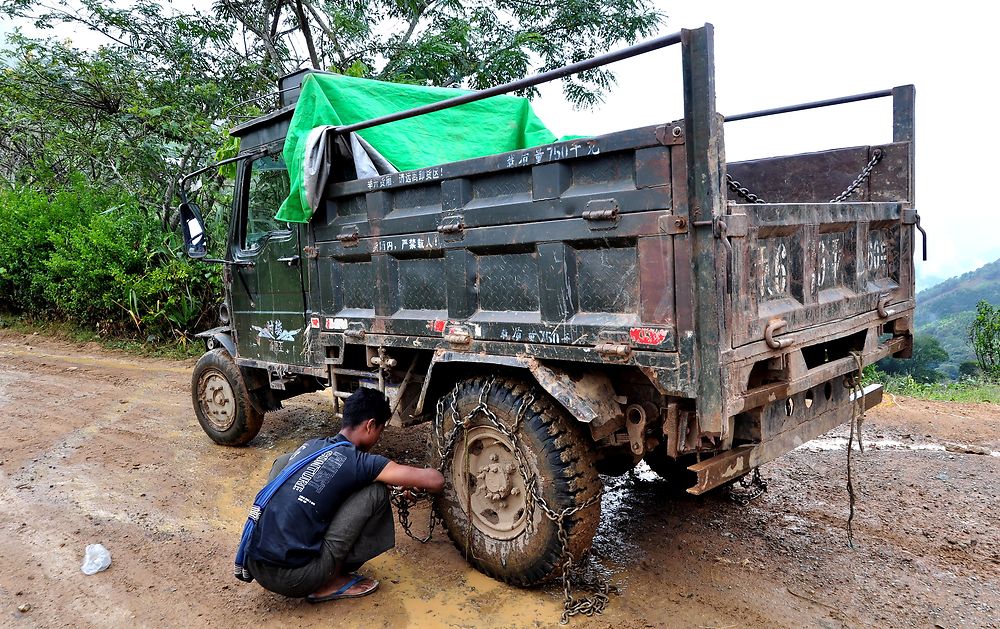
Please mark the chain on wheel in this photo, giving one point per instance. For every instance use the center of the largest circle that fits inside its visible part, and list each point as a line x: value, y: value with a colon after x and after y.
x: 598, y: 589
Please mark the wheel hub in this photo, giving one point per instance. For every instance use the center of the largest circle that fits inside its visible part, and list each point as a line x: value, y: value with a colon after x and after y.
x: 489, y: 482
x: 494, y: 479
x: 218, y: 402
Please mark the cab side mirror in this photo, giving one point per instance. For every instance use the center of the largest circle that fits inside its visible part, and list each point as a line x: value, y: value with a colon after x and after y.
x: 195, y: 243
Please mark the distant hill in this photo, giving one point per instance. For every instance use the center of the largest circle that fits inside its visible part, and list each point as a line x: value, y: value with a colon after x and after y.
x: 945, y: 311
x: 959, y: 294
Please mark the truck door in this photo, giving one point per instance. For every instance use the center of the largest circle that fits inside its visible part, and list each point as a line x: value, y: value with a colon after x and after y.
x: 268, y: 302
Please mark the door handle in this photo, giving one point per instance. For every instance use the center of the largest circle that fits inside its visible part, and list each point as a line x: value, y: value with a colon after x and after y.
x: 290, y: 261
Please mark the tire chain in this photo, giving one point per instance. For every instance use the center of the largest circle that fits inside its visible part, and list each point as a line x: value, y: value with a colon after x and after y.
x: 866, y: 172
x: 752, y: 487
x: 596, y: 602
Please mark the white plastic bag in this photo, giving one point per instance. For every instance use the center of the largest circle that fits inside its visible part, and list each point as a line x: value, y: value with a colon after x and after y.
x: 96, y: 558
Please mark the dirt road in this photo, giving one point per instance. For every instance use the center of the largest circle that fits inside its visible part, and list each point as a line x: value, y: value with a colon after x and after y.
x: 104, y: 447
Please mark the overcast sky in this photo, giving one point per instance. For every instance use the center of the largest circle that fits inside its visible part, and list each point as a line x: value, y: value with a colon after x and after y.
x: 772, y: 53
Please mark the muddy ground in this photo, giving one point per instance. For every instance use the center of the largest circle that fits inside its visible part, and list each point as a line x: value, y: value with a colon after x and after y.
x: 103, y: 447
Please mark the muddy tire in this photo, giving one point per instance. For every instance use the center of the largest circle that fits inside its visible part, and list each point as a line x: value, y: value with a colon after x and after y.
x: 222, y: 402
x: 672, y: 470
x: 502, y: 538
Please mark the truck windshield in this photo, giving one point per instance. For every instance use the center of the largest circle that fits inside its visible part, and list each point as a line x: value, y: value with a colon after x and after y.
x: 268, y: 188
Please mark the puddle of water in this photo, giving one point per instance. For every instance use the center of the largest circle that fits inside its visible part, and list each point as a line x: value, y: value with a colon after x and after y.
x: 827, y: 444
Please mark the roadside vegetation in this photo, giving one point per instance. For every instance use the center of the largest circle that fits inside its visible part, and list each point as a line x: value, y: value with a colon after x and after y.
x: 968, y: 389
x: 920, y: 376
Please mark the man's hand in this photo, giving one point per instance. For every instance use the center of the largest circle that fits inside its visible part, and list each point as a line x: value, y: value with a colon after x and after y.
x: 425, y: 478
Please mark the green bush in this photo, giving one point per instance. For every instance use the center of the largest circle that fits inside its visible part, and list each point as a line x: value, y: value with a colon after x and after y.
x: 91, y: 257
x: 28, y: 222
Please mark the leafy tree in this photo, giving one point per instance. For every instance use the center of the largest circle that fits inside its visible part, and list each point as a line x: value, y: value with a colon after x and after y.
x: 137, y: 112
x: 475, y: 44
x: 984, y: 334
x: 969, y: 370
x: 927, y: 355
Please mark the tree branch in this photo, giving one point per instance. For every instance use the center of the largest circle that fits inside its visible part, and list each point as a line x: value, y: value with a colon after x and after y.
x: 328, y: 31
x: 307, y: 35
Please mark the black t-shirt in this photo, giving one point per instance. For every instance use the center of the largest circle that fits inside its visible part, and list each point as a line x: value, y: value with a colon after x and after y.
x: 291, y: 528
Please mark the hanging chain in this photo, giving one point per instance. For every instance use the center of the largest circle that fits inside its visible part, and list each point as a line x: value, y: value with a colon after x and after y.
x: 752, y: 487
x: 861, y: 178
x: 402, y: 499
x: 587, y: 605
x: 853, y: 382
x: 742, y: 190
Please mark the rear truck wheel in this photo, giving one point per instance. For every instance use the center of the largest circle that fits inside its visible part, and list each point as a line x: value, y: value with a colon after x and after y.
x: 512, y: 442
x: 672, y: 470
x: 222, y: 401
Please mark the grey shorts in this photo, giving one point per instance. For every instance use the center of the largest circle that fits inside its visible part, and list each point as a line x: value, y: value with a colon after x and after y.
x: 361, y: 530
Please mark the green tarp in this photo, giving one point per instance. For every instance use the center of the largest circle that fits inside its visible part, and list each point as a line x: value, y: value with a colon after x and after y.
x: 486, y: 127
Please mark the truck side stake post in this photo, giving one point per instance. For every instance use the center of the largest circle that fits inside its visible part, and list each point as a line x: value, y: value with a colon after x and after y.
x: 571, y: 309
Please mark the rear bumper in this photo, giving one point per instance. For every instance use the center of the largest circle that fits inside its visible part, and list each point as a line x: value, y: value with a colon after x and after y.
x: 815, y: 419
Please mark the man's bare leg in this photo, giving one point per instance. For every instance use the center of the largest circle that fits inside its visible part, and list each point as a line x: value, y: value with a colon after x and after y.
x: 340, y: 579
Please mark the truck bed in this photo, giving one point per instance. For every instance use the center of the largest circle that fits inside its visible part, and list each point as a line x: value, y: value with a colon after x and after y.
x: 582, y: 252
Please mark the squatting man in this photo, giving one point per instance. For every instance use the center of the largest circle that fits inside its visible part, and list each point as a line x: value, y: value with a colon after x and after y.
x: 333, y: 515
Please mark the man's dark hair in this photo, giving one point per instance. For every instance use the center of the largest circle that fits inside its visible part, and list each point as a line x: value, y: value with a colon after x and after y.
x: 365, y: 404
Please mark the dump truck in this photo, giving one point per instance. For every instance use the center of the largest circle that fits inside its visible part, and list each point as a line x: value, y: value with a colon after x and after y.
x: 565, y: 311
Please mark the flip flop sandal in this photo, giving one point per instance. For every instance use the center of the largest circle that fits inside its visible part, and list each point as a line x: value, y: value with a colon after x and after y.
x: 341, y: 593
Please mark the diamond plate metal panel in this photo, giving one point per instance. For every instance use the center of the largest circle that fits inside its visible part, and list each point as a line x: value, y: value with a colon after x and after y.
x: 510, y: 184
x: 417, y: 197
x: 508, y: 281
x: 350, y: 206
x: 603, y: 170
x: 607, y: 280
x: 422, y: 284
x: 359, y: 284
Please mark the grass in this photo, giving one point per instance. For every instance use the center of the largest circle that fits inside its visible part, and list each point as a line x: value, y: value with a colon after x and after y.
x: 965, y: 390
x: 177, y: 349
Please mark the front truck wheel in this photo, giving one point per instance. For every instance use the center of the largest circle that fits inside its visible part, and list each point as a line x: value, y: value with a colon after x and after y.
x: 222, y: 401
x: 511, y: 436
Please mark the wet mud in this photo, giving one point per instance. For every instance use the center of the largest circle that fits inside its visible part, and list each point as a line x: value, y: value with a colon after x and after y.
x: 104, y: 447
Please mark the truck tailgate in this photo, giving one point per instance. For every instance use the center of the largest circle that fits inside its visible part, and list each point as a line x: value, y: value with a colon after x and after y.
x: 799, y: 265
